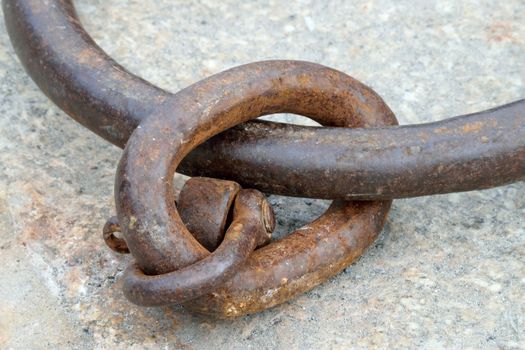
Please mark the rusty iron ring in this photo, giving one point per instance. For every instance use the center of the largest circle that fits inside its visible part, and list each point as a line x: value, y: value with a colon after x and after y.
x: 478, y: 151
x: 251, y: 226
x: 116, y: 244
x: 153, y: 229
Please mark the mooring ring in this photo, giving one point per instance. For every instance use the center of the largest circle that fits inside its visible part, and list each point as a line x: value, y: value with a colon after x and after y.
x: 100, y: 94
x: 152, y: 227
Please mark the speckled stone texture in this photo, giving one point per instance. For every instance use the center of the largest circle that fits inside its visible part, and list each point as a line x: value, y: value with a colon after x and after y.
x: 447, y: 272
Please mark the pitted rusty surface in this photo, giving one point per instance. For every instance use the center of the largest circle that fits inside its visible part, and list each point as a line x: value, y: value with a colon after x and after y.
x: 471, y: 152
x: 152, y: 226
x: 248, y: 230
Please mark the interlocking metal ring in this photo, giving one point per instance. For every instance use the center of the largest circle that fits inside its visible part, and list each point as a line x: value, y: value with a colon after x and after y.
x: 375, y: 162
x: 151, y: 224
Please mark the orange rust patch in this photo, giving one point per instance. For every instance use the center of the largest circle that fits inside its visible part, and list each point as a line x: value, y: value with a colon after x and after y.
x: 441, y: 131
x: 472, y: 127
x: 90, y: 57
x: 304, y: 79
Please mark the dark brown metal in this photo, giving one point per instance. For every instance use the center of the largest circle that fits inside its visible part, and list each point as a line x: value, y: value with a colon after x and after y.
x: 333, y: 163
x: 151, y: 224
x: 74, y: 72
x: 247, y: 230
x: 471, y: 152
x: 204, y: 207
x: 477, y: 151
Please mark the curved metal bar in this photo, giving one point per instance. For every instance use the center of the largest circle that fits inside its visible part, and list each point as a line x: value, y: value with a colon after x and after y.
x: 471, y: 152
x: 247, y: 230
x: 150, y: 221
x: 116, y: 244
x: 74, y: 72
x: 100, y: 94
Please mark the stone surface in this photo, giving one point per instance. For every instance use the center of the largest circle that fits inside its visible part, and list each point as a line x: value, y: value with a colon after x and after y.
x: 447, y: 271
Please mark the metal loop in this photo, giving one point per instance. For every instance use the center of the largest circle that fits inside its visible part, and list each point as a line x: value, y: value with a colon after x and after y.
x: 152, y: 226
x: 115, y: 243
x: 247, y: 230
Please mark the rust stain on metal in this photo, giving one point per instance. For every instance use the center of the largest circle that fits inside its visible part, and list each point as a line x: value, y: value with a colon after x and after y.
x: 359, y: 154
x: 472, y: 127
x: 160, y: 242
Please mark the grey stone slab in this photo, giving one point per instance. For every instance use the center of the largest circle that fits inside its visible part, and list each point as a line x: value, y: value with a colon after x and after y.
x: 447, y: 271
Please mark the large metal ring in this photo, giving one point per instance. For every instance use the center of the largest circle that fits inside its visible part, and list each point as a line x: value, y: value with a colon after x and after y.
x: 152, y: 227
x: 457, y: 154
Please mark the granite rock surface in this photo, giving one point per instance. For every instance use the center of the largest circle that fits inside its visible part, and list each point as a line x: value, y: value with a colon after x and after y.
x: 447, y: 271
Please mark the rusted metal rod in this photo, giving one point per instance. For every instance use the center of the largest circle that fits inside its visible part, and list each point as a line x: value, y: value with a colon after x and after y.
x: 472, y: 152
x: 290, y: 160
x: 74, y: 72
x: 150, y: 222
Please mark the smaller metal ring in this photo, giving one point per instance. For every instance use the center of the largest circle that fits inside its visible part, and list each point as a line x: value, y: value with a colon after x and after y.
x: 115, y: 243
x: 248, y: 229
x: 153, y: 229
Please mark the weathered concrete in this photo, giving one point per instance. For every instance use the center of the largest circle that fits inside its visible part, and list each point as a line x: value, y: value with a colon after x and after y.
x: 447, y: 272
